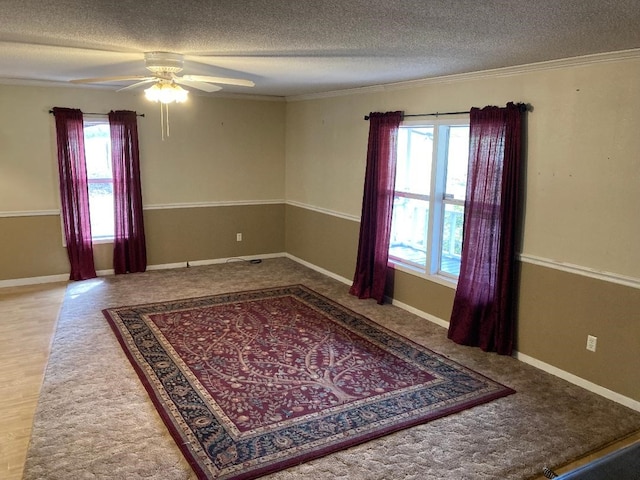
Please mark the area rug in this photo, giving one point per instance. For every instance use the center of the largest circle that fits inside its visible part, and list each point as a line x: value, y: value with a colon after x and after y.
x: 253, y: 382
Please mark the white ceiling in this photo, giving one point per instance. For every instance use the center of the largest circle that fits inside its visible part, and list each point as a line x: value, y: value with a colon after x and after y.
x: 296, y: 47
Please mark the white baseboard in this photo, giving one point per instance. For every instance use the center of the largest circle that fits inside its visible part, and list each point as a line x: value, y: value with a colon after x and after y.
x: 420, y: 313
x: 579, y: 381
x: 213, y: 261
x: 328, y: 273
x: 64, y: 277
x: 216, y: 261
x: 20, y: 282
x: 166, y: 266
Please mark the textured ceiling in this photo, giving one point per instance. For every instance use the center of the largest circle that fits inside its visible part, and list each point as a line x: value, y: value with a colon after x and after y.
x: 294, y: 47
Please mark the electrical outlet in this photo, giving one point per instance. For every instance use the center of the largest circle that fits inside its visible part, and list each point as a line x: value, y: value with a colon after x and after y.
x: 592, y: 343
x: 238, y: 237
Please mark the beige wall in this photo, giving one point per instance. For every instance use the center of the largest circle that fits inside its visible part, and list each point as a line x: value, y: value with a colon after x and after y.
x: 582, y: 178
x: 229, y: 163
x: 220, y: 172
x: 219, y: 149
x: 583, y: 164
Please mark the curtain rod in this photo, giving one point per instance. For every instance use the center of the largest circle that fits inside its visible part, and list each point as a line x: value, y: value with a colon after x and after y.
x: 435, y: 114
x: 523, y: 107
x: 105, y: 114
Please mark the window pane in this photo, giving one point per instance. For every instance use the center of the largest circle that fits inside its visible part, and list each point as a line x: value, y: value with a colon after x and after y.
x: 452, y: 239
x: 101, y: 209
x: 430, y: 159
x: 413, y: 170
x: 409, y: 230
x: 97, y: 146
x: 457, y: 162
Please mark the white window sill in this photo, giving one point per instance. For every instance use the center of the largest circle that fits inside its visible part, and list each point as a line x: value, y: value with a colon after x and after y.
x: 439, y: 279
x: 99, y: 241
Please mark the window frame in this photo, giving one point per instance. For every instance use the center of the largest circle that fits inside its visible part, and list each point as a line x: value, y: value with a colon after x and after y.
x: 437, y: 201
x: 90, y: 121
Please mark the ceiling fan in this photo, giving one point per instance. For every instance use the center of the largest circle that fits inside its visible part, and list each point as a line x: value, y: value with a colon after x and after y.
x: 165, y: 88
x: 164, y: 67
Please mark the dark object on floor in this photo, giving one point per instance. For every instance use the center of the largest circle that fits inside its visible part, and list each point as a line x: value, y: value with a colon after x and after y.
x: 623, y: 464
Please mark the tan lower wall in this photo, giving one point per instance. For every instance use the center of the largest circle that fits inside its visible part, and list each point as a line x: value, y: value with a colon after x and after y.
x: 557, y: 310
x: 31, y: 246
x: 324, y: 240
x: 428, y: 297
x: 189, y: 234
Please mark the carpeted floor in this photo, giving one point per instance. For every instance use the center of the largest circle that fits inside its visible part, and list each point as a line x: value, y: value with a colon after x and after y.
x: 256, y: 381
x: 95, y: 420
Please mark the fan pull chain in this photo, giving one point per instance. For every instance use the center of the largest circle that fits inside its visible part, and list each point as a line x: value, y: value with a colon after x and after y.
x: 167, y: 111
x: 164, y: 122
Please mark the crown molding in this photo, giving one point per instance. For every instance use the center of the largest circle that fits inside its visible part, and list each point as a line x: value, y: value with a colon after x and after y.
x: 584, y: 60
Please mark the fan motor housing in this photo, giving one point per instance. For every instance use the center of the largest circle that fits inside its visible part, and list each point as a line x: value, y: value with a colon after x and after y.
x: 163, y: 62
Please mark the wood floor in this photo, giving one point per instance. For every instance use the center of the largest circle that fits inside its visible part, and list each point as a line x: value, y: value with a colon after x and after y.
x: 28, y: 317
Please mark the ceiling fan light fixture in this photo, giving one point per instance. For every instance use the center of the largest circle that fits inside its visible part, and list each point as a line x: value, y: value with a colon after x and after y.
x: 166, y: 92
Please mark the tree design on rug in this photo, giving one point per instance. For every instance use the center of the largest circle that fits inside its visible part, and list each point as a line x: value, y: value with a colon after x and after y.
x: 278, y: 359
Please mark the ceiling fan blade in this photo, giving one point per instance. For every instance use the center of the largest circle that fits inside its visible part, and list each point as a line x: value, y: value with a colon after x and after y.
x: 121, y: 78
x: 224, y: 80
x: 137, y: 84
x: 205, y: 87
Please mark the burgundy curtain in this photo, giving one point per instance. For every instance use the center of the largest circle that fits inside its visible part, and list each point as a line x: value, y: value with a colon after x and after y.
x: 377, y: 205
x: 129, y: 250
x: 484, y: 306
x: 74, y: 192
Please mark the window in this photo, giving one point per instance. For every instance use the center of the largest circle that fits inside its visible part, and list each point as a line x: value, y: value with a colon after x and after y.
x: 97, y: 145
x: 428, y: 207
